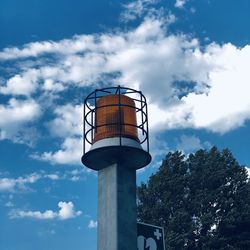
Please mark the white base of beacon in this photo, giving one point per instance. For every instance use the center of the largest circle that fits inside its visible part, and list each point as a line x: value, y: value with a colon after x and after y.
x: 123, y: 151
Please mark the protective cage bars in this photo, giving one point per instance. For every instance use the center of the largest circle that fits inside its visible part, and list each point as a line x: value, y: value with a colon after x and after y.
x: 90, y: 108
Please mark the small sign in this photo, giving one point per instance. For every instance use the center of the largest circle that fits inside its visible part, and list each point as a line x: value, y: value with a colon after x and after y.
x: 150, y: 237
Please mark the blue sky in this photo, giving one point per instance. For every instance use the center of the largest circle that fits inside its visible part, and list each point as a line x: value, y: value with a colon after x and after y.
x: 189, y: 57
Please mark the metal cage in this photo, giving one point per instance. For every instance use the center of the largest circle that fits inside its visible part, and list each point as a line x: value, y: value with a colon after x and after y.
x: 90, y: 109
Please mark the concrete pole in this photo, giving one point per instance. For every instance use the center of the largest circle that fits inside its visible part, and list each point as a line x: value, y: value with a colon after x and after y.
x: 117, y: 216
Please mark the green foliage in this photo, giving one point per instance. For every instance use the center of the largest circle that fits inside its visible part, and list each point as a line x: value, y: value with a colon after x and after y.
x: 202, y: 201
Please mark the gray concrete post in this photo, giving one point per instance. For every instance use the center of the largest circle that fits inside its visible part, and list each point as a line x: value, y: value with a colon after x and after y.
x: 117, y: 216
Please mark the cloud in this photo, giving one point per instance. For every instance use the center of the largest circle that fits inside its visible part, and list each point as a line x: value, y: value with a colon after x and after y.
x: 68, y: 125
x: 66, y: 211
x: 51, y: 85
x: 68, y: 121
x: 92, y: 224
x: 225, y: 106
x: 70, y: 153
x: 138, y: 8
x: 53, y: 176
x: 22, y: 183
x: 77, y: 174
x: 9, y: 204
x: 24, y: 84
x: 180, y: 3
x: 153, y: 59
x: 190, y: 144
x: 49, y: 214
x: 11, y: 184
x: 15, y: 115
x: 35, y: 49
x: 187, y: 85
x: 248, y: 171
x: 7, y: 184
x: 141, y: 56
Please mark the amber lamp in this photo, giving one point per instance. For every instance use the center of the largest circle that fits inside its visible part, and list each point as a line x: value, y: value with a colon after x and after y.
x: 115, y: 117
x: 114, y: 129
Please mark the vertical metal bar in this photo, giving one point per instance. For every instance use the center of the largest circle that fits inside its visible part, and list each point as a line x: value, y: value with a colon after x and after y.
x: 117, y: 89
x: 147, y: 126
x: 142, y: 114
x: 92, y: 136
x: 120, y: 116
x: 95, y: 108
x: 84, y: 126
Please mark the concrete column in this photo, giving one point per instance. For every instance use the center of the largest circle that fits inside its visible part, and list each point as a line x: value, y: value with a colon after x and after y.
x: 117, y: 217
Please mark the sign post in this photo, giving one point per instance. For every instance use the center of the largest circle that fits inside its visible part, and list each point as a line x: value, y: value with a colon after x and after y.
x: 150, y: 237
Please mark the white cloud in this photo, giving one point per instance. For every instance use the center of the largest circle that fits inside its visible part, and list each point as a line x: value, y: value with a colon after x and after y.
x: 187, y: 86
x: 189, y: 144
x: 226, y: 105
x: 92, y: 224
x: 50, y: 85
x: 49, y: 214
x: 22, y: 183
x: 81, y: 70
x: 68, y: 121
x: 9, y: 204
x: 153, y: 61
x: 32, y: 178
x: 248, y: 171
x: 75, y: 178
x: 70, y: 153
x: 17, y: 111
x: 35, y: 49
x: 180, y: 3
x: 11, y: 184
x: 77, y: 174
x: 67, y: 125
x: 137, y: 8
x: 53, y: 176
x: 24, y: 84
x: 15, y: 115
x: 7, y: 184
x: 66, y: 211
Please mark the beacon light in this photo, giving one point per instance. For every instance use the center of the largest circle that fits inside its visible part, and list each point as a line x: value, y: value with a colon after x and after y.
x: 115, y: 128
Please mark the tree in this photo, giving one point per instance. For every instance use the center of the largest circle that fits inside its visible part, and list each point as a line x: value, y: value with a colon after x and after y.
x: 202, y: 201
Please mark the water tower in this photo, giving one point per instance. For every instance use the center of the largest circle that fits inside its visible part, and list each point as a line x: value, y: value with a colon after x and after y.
x: 116, y: 145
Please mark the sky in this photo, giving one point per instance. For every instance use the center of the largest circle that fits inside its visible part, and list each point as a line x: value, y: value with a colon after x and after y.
x: 190, y: 58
